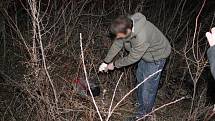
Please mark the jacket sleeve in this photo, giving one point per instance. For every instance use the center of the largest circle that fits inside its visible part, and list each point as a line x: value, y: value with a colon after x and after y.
x: 114, y: 50
x: 211, y: 58
x: 137, y: 51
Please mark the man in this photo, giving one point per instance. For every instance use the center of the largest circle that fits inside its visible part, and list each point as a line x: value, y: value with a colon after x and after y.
x: 211, y: 52
x: 147, y: 46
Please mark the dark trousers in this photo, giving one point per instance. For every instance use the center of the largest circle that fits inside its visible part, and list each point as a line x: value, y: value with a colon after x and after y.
x: 147, y: 92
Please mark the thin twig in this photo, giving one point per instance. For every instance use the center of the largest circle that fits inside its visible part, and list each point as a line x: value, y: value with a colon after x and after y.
x: 109, y: 110
x: 132, y: 91
x: 86, y: 78
x: 196, y: 26
x: 162, y: 107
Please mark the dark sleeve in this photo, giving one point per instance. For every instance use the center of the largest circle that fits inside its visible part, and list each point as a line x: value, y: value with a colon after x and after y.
x: 211, y: 58
x: 114, y: 50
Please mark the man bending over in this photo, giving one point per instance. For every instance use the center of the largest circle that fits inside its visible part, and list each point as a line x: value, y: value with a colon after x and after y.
x: 147, y: 46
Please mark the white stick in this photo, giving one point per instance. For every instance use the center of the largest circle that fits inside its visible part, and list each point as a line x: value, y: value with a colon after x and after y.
x: 109, y: 110
x: 131, y: 92
x: 35, y: 21
x: 86, y: 78
x: 161, y: 107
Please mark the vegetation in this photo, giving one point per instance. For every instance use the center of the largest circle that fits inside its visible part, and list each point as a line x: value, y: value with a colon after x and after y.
x: 42, y: 52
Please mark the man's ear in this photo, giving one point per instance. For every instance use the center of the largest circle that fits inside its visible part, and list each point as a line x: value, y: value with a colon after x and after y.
x: 129, y: 31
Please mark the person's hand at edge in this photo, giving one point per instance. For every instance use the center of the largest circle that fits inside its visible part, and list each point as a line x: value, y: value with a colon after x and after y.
x: 211, y: 37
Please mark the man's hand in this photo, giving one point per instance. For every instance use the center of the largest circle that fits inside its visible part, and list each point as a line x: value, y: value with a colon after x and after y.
x: 211, y: 37
x: 110, y: 66
x: 103, y: 67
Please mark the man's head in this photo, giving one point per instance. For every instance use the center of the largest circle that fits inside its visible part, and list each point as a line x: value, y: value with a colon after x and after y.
x: 121, y: 27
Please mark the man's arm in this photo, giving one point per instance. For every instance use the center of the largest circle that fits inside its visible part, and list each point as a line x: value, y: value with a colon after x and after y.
x: 211, y: 51
x: 211, y: 58
x: 136, y: 53
x: 114, y: 50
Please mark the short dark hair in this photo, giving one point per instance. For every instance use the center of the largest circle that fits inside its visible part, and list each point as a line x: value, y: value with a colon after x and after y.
x: 120, y: 25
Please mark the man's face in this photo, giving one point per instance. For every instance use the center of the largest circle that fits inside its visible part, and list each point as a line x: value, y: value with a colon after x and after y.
x: 123, y: 35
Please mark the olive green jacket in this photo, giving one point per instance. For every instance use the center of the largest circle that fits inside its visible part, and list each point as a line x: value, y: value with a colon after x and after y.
x: 145, y: 42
